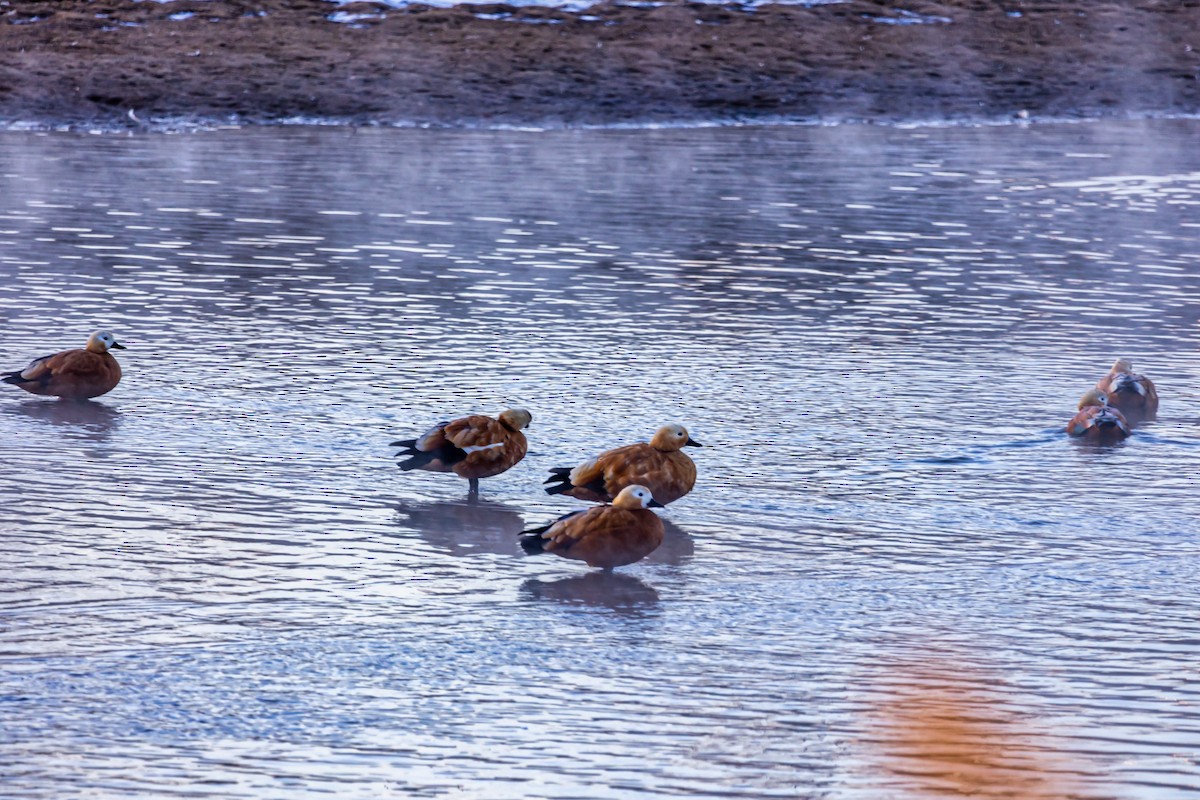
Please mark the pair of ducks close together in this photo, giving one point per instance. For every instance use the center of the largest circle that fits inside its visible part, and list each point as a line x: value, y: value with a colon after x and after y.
x: 629, y: 479
x: 1120, y: 399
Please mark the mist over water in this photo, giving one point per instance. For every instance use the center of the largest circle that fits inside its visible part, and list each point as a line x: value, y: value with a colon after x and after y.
x: 894, y: 563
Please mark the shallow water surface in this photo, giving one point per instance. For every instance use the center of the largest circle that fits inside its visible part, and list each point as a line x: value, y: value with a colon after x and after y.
x: 895, y: 578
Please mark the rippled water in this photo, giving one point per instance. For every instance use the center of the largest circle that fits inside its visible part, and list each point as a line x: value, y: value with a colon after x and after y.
x: 569, y: 5
x: 895, y: 578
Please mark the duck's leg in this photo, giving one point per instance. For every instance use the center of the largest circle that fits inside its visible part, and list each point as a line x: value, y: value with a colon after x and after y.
x: 473, y: 484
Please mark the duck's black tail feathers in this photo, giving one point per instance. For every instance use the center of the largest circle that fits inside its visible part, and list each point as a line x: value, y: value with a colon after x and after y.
x: 14, y: 378
x: 532, y: 541
x: 409, y: 450
x: 447, y: 454
x: 561, y: 476
x: 417, y: 460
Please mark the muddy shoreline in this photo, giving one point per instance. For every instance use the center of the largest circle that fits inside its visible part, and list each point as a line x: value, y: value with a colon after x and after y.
x: 118, y: 63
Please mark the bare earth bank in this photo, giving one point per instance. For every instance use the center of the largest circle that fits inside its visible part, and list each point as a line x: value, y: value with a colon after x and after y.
x: 93, y: 62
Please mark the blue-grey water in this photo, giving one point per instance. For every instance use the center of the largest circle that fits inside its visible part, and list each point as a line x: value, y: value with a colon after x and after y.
x: 896, y: 577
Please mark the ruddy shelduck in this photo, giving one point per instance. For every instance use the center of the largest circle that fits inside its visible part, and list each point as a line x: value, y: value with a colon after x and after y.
x: 602, y: 536
x: 472, y: 447
x: 1132, y: 394
x: 1097, y: 420
x: 73, y: 374
x: 660, y: 466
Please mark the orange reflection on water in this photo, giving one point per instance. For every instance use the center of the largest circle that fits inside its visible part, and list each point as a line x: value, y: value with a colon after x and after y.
x: 947, y: 731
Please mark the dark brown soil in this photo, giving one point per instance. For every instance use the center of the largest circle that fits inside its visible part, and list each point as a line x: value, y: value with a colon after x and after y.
x: 93, y: 62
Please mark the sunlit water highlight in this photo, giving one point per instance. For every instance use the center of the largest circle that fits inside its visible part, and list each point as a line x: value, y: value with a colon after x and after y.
x: 217, y: 584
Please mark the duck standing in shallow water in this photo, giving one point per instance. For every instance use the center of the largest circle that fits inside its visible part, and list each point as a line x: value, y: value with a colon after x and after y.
x: 1097, y: 421
x: 1132, y: 394
x: 659, y: 466
x: 73, y: 374
x: 472, y: 447
x: 602, y: 536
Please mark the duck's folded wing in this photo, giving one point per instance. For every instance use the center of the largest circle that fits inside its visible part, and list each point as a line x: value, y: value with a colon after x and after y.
x: 433, y: 439
x: 677, y: 473
x: 1080, y: 423
x: 1115, y: 382
x: 611, y: 463
x: 480, y: 436
x: 1107, y: 383
x: 579, y: 526
x: 587, y: 473
x: 1093, y: 416
x: 1151, y: 391
x: 42, y: 368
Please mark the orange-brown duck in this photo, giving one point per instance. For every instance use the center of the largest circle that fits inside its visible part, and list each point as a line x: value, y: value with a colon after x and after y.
x: 472, y: 447
x: 658, y: 465
x: 1097, y: 420
x: 1132, y: 394
x: 73, y: 374
x: 602, y: 536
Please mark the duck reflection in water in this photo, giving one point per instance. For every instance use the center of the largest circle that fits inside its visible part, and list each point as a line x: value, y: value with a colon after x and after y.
x: 612, y: 590
x: 82, y: 419
x: 473, y: 526
x: 677, y: 546
x: 466, y: 527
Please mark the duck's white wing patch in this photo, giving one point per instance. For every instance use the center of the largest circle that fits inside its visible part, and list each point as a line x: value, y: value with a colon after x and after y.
x: 474, y: 448
x: 586, y: 466
x: 34, y: 368
x: 1124, y: 381
x: 431, y: 438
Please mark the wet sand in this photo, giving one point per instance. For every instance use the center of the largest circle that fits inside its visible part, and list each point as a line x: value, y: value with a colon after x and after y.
x: 120, y: 63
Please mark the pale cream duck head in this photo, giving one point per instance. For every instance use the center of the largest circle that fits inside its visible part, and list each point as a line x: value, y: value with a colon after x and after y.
x: 1095, y: 397
x: 633, y: 498
x: 102, y: 342
x: 670, y: 438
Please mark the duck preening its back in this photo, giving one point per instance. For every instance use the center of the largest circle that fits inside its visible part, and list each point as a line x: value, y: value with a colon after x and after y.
x: 471, y: 447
